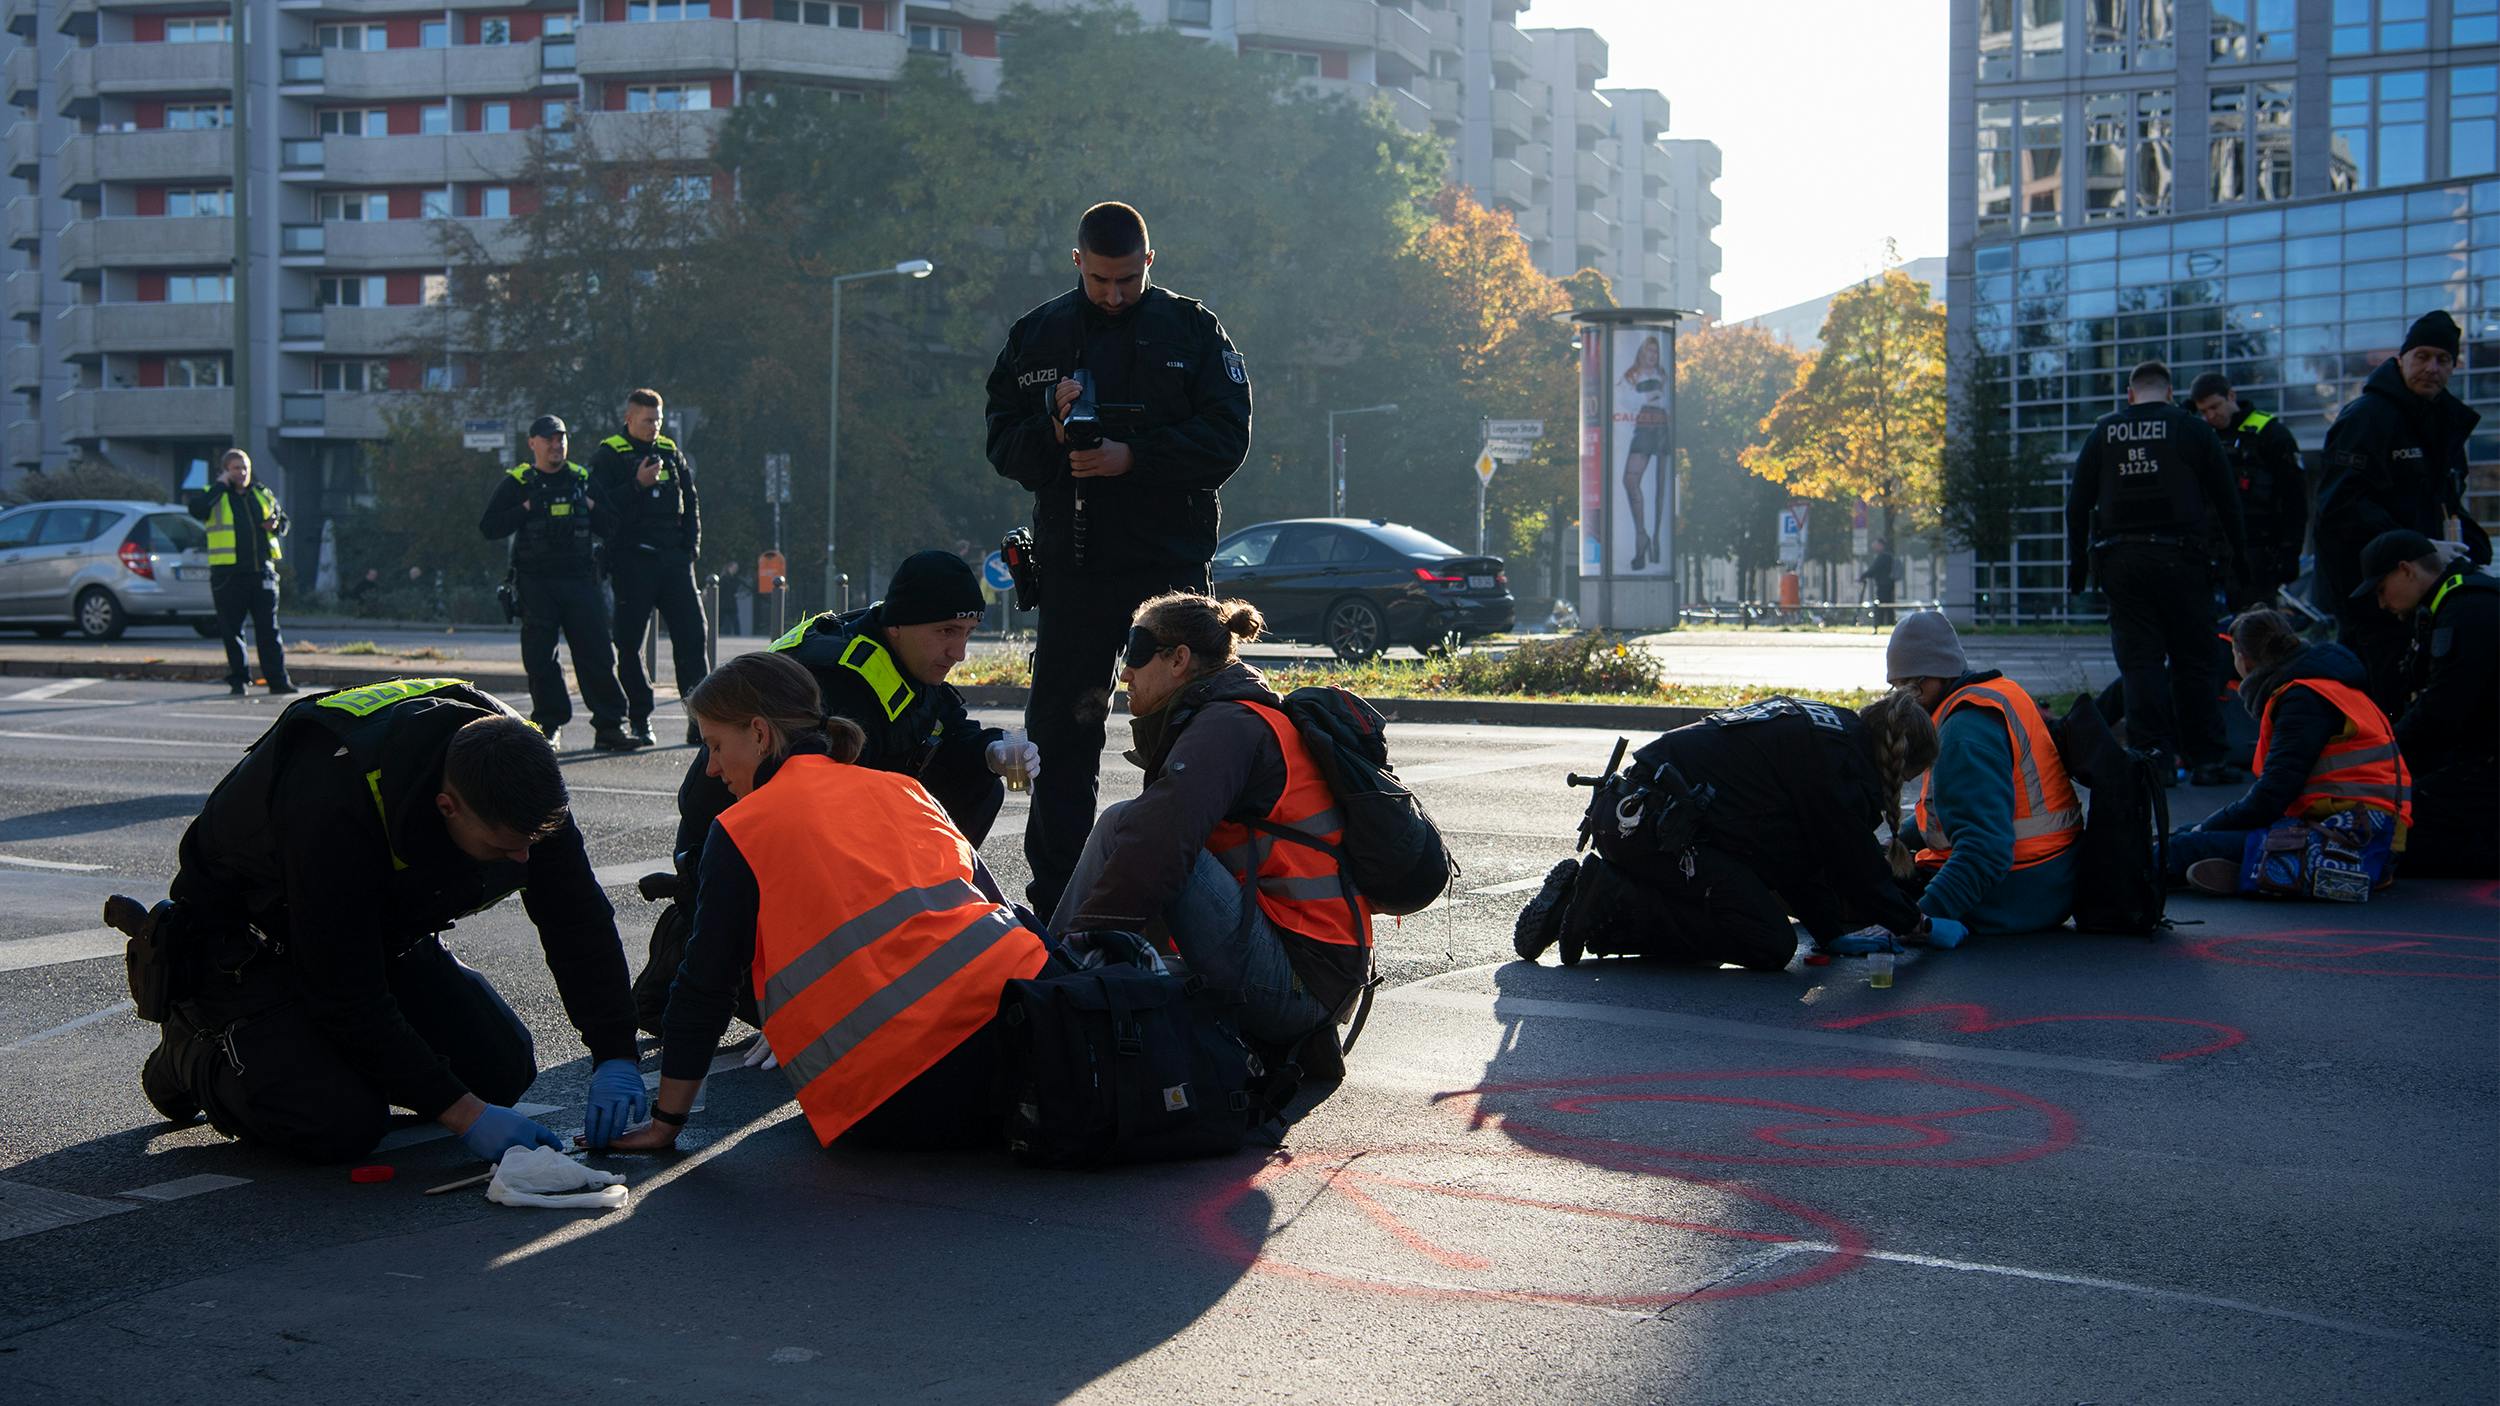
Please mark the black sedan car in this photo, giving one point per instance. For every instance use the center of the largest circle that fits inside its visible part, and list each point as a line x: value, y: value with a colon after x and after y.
x: 1360, y: 586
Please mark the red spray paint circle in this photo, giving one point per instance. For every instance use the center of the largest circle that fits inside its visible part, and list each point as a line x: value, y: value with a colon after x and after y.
x: 2422, y: 956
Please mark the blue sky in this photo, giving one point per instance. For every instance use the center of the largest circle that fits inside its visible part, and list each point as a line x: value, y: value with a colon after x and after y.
x: 1829, y: 115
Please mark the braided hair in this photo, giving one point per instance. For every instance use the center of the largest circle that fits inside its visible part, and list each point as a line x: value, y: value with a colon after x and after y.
x: 1902, y: 738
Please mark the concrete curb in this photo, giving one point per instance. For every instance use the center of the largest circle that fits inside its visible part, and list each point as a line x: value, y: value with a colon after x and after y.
x: 508, y: 679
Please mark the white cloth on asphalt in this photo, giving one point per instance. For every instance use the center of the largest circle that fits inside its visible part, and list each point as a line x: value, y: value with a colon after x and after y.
x: 542, y: 1176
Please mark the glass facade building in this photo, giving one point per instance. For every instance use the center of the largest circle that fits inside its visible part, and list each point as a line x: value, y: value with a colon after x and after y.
x: 2272, y: 189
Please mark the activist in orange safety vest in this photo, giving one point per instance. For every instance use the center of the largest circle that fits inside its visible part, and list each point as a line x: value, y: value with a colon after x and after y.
x: 875, y: 943
x: 1996, y: 814
x: 2327, y: 767
x: 1246, y: 910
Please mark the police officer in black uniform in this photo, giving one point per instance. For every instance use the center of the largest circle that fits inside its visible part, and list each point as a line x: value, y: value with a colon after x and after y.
x: 2449, y: 731
x: 1117, y: 523
x: 885, y: 669
x: 546, y: 508
x: 2395, y: 458
x: 2274, y: 492
x: 641, y: 475
x: 299, y: 969
x: 2148, y: 490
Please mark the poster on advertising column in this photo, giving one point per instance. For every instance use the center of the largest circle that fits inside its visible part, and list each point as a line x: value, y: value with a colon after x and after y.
x: 1640, y: 406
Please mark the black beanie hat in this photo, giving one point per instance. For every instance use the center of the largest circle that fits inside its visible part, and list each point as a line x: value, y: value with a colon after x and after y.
x: 2433, y: 329
x: 931, y: 586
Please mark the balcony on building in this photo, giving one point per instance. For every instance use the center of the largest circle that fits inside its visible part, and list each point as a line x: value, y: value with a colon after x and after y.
x: 979, y: 11
x: 1585, y: 51
x: 88, y: 247
x: 654, y: 136
x: 140, y: 70
x: 76, y: 18
x: 1592, y: 173
x: 25, y: 220
x: 1596, y: 230
x: 154, y: 157
x: 88, y: 331
x: 671, y: 48
x: 980, y: 75
x: 25, y: 443
x: 1593, y: 118
x: 1439, y: 94
x: 18, y: 17
x: 333, y: 414
x: 1403, y: 42
x: 25, y: 149
x: 1444, y: 26
x: 22, y: 295
x: 24, y: 78
x: 1640, y: 113
x: 1409, y: 109
x: 1512, y: 51
x: 1335, y: 24
x: 25, y: 361
x: 1514, y: 186
x: 406, y: 160
x: 188, y: 412
x: 365, y: 246
x: 1660, y: 266
x: 1512, y: 115
x: 822, y: 53
x: 408, y: 75
x: 415, y: 330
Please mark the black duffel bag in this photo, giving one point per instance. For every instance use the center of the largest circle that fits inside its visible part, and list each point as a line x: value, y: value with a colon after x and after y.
x: 1120, y: 1064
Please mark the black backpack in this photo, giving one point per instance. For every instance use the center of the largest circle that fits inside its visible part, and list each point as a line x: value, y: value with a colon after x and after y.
x: 2122, y: 880
x: 1118, y: 1064
x: 1391, y: 850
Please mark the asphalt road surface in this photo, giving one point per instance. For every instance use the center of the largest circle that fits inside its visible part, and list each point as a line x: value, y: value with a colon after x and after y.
x: 2254, y: 1161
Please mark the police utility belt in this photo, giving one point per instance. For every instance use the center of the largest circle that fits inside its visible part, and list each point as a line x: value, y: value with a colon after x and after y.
x: 1648, y: 811
x: 2143, y: 539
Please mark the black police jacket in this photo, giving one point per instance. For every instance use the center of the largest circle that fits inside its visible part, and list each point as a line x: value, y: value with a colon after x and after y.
x: 2393, y: 460
x: 914, y: 729
x: 2274, y: 493
x: 2453, y: 673
x: 664, y: 520
x: 1798, y: 803
x: 327, y: 839
x: 1170, y: 356
x: 552, y: 520
x: 2150, y: 471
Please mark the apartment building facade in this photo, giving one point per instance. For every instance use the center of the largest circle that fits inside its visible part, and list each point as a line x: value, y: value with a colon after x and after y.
x: 2272, y: 189
x: 385, y: 135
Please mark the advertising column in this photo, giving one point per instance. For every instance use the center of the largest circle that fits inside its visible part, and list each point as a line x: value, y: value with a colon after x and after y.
x: 1627, y: 467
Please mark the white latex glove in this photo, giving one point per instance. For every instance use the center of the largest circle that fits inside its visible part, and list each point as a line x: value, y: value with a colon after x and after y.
x: 1001, y: 754
x: 759, y: 1055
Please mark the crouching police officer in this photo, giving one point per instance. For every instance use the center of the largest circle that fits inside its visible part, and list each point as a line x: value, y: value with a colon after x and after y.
x: 299, y: 969
x: 546, y: 508
x: 885, y: 669
x: 2449, y: 730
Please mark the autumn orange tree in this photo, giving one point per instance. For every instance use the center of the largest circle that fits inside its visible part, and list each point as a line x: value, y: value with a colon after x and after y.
x: 1727, y: 380
x: 1865, y: 419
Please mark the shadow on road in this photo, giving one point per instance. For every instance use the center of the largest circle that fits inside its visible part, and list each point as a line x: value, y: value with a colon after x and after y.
x: 98, y: 816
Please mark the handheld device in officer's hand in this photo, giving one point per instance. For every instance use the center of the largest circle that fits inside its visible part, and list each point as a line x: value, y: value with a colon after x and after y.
x: 1083, y: 422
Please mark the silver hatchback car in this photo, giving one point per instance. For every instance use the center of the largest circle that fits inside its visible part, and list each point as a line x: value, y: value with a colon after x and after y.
x: 99, y: 566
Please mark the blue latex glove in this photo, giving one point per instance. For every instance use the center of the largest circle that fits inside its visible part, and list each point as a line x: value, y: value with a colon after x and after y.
x: 1944, y: 932
x: 618, y: 1100
x: 498, y: 1130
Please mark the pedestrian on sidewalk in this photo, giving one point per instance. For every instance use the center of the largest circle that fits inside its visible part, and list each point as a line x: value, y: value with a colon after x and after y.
x: 244, y: 525
x: 546, y: 507
x: 1998, y: 820
x: 2331, y: 807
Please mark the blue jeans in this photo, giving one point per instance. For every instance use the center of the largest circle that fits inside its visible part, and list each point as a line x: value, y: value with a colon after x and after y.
x: 1223, y: 935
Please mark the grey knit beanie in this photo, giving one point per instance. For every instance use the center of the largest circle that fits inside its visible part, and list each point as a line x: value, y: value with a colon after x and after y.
x: 1924, y: 646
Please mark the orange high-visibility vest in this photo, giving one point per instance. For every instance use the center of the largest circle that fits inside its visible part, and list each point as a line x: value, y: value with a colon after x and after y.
x: 875, y: 956
x: 2360, y: 766
x: 1300, y: 888
x: 2048, y: 820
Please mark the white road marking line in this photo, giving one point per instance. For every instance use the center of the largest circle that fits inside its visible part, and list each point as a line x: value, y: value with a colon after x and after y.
x: 53, y: 949
x: 49, y: 690
x: 619, y: 790
x: 30, y: 1210
x: 121, y: 741
x: 1514, y: 886
x: 2086, y: 1281
x: 51, y: 864
x: 1508, y: 1008
x: 430, y: 1132
x: 181, y: 1187
x: 67, y: 1026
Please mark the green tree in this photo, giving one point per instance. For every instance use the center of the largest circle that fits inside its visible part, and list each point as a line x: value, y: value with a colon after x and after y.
x: 1727, y: 379
x: 428, y: 493
x: 1866, y: 419
x: 1987, y: 476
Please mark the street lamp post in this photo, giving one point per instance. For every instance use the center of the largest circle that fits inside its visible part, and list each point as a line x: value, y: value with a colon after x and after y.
x: 908, y: 268
x: 1336, y: 470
